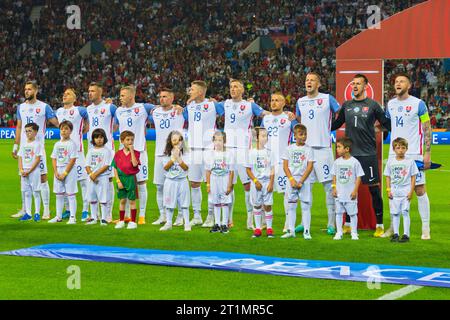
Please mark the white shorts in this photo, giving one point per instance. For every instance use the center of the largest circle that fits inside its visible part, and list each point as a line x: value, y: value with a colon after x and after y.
x: 324, y: 159
x: 176, y: 191
x: 349, y: 207
x: 303, y: 194
x: 261, y: 197
x: 32, y: 182
x: 80, y: 166
x: 43, y: 164
x: 68, y: 185
x: 99, y: 191
x: 142, y: 175
x: 218, y: 189
x: 158, y: 171
x: 398, y: 205
x: 281, y: 179
x: 240, y: 157
x: 196, y: 171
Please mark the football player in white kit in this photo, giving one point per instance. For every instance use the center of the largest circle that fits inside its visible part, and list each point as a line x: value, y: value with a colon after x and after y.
x: 132, y: 116
x: 410, y: 120
x: 316, y: 111
x: 201, y: 115
x: 101, y: 116
x: 79, y: 118
x: 280, y: 132
x: 166, y: 119
x: 238, y: 123
x: 34, y: 111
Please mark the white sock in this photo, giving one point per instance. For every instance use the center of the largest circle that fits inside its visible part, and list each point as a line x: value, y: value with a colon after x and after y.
x: 286, y: 206
x: 84, y: 194
x: 225, y: 211
x: 210, y: 209
x: 185, y: 212
x: 45, y: 193
x: 105, y: 212
x: 231, y: 208
x: 196, y: 194
x: 306, y: 216
x: 248, y: 202
x: 23, y: 201
x: 424, y: 209
x: 127, y: 209
x: 217, y: 215
x: 37, y: 201
x: 292, y: 214
x: 330, y: 203
x: 406, y: 222
x: 339, y: 220
x: 66, y: 203
x: 59, y: 205
x: 169, y: 213
x: 269, y: 219
x: 73, y: 206
x: 354, y: 223
x: 110, y: 203
x: 159, y: 199
x: 396, y: 223
x: 94, y: 210
x: 257, y: 215
x: 142, y: 189
x: 28, y: 199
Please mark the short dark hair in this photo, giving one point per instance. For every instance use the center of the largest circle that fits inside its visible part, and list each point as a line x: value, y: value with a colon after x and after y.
x: 167, y: 89
x: 99, y: 132
x: 125, y: 134
x: 300, y: 127
x: 346, y: 142
x: 32, y: 83
x: 96, y: 84
x: 360, y: 75
x: 33, y: 126
x: 258, y: 130
x: 316, y: 74
x: 400, y: 142
x: 67, y: 124
x: 403, y: 74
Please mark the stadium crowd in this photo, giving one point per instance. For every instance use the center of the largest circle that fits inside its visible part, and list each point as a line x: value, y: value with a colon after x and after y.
x: 173, y: 43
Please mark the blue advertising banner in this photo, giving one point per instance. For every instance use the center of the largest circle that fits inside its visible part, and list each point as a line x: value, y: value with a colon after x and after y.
x: 53, y: 133
x: 362, y: 272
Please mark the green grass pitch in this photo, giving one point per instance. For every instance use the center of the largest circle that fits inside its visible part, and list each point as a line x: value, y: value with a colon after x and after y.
x: 37, y: 278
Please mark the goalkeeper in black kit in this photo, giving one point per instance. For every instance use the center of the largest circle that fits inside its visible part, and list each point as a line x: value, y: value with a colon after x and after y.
x: 359, y: 116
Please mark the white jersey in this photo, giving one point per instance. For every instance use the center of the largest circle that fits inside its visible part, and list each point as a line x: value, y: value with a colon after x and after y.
x: 317, y: 114
x: 400, y: 172
x: 63, y: 152
x: 134, y: 119
x: 298, y: 158
x: 406, y: 122
x: 97, y: 158
x: 202, y: 122
x: 346, y: 172
x: 261, y: 163
x: 165, y: 122
x: 38, y: 112
x: 29, y: 151
x: 76, y: 115
x: 219, y: 163
x: 238, y: 122
x: 279, y: 131
x: 101, y: 116
x: 175, y: 172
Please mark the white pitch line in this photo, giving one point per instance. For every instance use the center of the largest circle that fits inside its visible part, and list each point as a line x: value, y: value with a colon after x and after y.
x: 397, y: 294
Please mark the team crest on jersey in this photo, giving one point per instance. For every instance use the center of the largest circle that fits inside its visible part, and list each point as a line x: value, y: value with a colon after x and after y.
x: 136, y: 110
x: 356, y: 109
x: 365, y: 109
x: 242, y: 107
x: 172, y: 114
x: 283, y: 121
x: 408, y: 108
x: 102, y: 111
x: 320, y: 101
x: 72, y: 112
x: 38, y: 110
x: 205, y: 107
